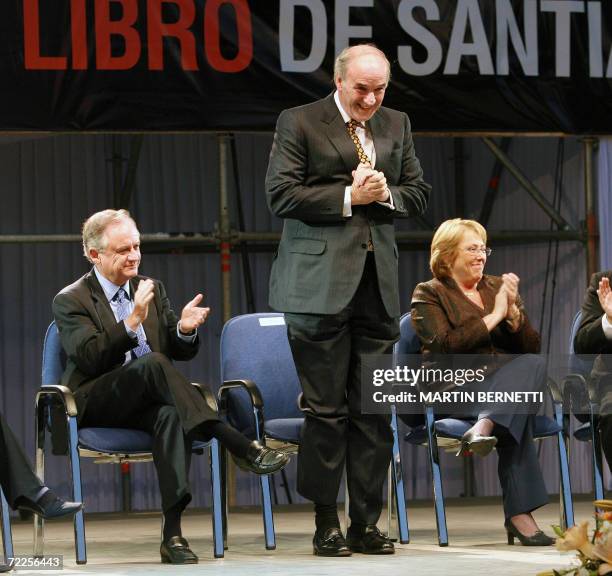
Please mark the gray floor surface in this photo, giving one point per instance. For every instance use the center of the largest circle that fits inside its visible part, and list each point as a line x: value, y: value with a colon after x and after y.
x: 128, y: 545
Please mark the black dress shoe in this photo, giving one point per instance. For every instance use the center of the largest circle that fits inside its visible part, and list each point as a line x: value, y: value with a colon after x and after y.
x: 177, y: 551
x: 330, y: 543
x: 369, y: 541
x: 538, y: 539
x: 261, y: 459
x: 49, y: 506
x: 5, y: 568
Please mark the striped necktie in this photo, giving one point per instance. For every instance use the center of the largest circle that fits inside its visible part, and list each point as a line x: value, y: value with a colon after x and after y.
x: 123, y: 311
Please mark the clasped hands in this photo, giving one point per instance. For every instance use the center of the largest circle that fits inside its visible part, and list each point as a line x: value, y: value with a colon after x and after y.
x: 192, y: 315
x: 368, y: 186
x: 505, y: 301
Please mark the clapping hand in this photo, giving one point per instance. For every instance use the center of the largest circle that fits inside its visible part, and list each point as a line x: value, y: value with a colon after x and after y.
x: 501, y: 302
x: 511, y: 282
x: 193, y: 315
x: 368, y: 186
x: 604, y: 293
x: 142, y: 298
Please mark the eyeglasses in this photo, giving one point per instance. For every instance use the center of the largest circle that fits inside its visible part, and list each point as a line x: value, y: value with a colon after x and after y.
x: 473, y: 250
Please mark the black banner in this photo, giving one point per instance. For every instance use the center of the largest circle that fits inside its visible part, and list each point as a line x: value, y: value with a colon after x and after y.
x: 191, y: 65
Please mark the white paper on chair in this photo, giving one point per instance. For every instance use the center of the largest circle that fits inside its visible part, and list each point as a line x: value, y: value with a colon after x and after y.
x: 274, y: 321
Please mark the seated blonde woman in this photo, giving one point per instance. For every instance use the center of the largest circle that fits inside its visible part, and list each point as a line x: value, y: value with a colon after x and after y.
x: 462, y: 310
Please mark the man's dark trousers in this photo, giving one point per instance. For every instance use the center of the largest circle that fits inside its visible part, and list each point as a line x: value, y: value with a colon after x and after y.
x: 327, y: 350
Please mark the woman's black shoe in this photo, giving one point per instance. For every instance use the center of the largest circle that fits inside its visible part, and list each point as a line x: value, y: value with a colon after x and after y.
x: 473, y: 442
x: 538, y: 539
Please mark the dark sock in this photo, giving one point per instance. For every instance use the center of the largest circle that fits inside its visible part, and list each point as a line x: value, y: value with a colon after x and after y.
x: 172, y: 522
x: 356, y: 528
x: 326, y: 516
x: 232, y: 440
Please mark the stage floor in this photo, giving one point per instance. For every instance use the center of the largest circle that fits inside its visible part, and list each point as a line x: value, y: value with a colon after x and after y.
x: 129, y: 544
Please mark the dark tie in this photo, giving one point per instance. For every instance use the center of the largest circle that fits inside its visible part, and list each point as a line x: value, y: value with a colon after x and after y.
x: 351, y: 126
x: 123, y: 311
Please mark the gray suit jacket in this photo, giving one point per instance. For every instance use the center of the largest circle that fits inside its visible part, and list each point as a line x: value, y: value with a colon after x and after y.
x: 95, y: 343
x: 322, y: 255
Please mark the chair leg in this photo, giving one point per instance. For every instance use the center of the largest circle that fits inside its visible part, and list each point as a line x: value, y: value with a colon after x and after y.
x: 434, y: 462
x: 216, y: 505
x: 223, y: 463
x: 273, y: 488
x: 286, y: 487
x: 597, y: 461
x: 565, y: 491
x: 268, y: 519
x: 39, y: 523
x: 347, y: 503
x: 397, y: 479
x: 390, y: 502
x: 7, y: 536
x: 77, y: 492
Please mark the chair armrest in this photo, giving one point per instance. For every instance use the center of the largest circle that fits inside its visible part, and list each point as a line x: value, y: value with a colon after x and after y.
x: 57, y: 391
x: 555, y: 390
x: 248, y: 385
x: 255, y: 397
x: 207, y: 394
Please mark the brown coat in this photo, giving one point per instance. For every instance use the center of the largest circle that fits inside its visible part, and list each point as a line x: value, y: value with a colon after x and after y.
x: 447, y: 322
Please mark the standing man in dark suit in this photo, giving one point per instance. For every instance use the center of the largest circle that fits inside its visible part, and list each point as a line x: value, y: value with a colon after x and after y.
x: 594, y: 336
x: 120, y: 335
x: 341, y: 169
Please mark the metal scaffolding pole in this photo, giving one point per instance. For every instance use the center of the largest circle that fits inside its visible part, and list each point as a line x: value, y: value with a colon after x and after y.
x: 225, y: 251
x: 591, y: 217
x: 419, y: 239
x: 526, y: 184
x: 225, y: 231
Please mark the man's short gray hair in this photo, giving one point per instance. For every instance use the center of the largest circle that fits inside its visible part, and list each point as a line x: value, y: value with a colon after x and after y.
x: 344, y: 58
x: 95, y: 226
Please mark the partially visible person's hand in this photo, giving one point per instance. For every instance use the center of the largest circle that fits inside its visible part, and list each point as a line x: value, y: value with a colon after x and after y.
x: 604, y: 293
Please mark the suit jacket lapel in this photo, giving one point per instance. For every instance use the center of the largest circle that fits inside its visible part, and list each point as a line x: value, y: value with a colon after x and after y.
x: 151, y: 324
x: 101, y: 304
x: 382, y: 143
x: 338, y: 134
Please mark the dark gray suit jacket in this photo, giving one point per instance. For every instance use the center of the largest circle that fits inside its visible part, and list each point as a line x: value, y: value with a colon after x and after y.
x: 322, y: 254
x: 95, y: 343
x: 590, y: 339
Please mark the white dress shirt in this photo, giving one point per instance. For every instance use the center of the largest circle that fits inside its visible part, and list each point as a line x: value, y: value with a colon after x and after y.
x: 367, y: 143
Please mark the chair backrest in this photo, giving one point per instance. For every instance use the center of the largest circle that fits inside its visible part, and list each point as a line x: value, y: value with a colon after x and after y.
x: 578, y: 364
x: 256, y: 347
x: 409, y: 342
x: 54, y: 357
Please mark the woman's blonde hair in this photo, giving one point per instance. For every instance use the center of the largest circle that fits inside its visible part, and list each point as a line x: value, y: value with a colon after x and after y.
x: 445, y: 242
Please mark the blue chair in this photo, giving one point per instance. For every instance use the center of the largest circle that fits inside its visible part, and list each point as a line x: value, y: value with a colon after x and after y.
x: 575, y: 386
x: 258, y: 374
x: 56, y: 412
x: 7, y: 537
x: 454, y: 428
